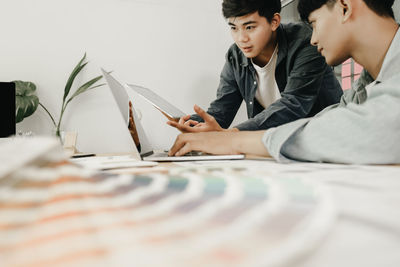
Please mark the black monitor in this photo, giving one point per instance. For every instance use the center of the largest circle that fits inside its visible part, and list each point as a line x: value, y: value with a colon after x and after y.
x: 7, y: 109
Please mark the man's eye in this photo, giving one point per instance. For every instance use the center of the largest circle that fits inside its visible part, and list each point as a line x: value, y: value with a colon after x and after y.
x: 233, y: 28
x: 250, y: 27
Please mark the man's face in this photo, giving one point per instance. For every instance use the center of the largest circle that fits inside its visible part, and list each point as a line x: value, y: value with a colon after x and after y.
x: 251, y: 33
x: 330, y: 34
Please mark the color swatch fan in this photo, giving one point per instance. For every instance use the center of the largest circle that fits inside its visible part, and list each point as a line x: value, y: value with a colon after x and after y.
x: 192, y: 217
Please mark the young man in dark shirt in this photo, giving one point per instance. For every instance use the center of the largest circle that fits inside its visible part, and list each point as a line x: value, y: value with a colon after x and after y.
x: 272, y: 67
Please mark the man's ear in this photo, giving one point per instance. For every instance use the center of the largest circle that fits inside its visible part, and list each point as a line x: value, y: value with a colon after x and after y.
x: 346, y: 9
x: 275, y: 21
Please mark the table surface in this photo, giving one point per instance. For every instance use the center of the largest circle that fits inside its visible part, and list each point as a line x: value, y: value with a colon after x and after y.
x: 65, y: 216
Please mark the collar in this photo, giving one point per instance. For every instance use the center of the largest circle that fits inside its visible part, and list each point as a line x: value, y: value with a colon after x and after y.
x: 282, y: 43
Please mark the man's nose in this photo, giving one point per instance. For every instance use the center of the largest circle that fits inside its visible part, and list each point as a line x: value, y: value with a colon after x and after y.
x: 313, y: 40
x: 243, y: 37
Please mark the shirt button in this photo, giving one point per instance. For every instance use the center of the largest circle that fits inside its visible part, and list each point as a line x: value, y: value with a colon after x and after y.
x: 251, y: 103
x: 255, y: 82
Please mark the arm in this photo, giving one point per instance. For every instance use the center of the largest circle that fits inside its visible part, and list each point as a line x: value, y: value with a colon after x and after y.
x: 363, y: 134
x: 220, y: 143
x: 300, y: 94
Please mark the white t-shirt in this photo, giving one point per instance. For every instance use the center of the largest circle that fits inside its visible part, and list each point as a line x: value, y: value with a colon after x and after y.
x: 267, y: 91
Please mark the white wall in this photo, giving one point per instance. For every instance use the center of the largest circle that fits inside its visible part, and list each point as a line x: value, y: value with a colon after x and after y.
x: 175, y: 47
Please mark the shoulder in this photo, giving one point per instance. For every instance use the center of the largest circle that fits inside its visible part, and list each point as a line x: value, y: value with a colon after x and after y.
x: 390, y: 87
x: 296, y: 31
x: 292, y: 36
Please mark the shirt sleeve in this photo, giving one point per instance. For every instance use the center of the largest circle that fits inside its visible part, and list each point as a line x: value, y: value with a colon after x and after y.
x: 356, y: 134
x: 300, y: 94
x: 228, y: 101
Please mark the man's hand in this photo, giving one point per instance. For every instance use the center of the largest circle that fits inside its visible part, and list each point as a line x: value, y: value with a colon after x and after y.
x: 208, y: 142
x: 132, y: 126
x: 186, y: 125
x: 220, y: 143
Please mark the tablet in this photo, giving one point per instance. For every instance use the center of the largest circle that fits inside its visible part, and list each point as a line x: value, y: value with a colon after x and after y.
x: 158, y: 102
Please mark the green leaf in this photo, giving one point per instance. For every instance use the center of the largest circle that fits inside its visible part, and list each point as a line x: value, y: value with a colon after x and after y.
x: 73, y: 75
x: 86, y: 87
x: 26, y: 101
x: 83, y: 88
x: 24, y: 88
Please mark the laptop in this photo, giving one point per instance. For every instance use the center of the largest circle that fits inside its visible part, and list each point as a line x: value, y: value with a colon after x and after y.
x: 146, y: 150
x: 112, y: 162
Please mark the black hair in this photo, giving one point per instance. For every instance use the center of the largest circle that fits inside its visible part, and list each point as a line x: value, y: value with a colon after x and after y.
x: 238, y: 8
x: 380, y: 7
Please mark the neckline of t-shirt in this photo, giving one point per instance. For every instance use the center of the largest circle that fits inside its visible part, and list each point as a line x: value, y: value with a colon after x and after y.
x: 266, y: 67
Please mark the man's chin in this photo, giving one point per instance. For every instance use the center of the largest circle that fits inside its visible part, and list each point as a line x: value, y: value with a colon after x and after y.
x: 333, y: 62
x: 249, y: 54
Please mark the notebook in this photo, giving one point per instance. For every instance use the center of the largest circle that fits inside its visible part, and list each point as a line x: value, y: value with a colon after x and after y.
x: 147, y: 152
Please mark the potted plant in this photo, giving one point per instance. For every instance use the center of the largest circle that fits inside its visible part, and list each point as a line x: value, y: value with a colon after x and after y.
x: 27, y: 101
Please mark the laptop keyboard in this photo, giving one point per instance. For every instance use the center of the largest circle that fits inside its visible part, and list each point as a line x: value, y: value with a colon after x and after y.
x: 165, y: 154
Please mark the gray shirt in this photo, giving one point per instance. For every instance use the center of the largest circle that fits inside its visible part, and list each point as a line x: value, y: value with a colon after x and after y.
x: 364, y: 128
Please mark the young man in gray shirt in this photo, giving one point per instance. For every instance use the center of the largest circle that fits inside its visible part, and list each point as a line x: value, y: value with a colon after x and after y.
x: 364, y: 128
x: 272, y: 67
